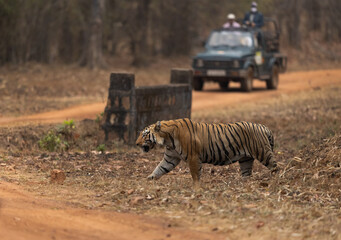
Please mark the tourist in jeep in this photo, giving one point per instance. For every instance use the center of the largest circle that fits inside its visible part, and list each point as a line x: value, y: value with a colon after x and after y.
x: 253, y: 18
x: 231, y: 23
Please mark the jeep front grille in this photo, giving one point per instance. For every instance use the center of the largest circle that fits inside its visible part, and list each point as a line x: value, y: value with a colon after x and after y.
x: 218, y: 64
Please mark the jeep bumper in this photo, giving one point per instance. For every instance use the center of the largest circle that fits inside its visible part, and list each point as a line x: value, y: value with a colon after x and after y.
x: 220, y: 73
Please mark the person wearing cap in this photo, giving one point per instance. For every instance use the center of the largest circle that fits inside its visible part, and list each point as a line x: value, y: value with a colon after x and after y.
x: 253, y: 18
x: 231, y: 22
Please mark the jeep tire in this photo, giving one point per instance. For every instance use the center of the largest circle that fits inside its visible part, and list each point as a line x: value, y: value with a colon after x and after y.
x: 246, y: 83
x: 198, y: 83
x: 224, y: 85
x: 272, y: 83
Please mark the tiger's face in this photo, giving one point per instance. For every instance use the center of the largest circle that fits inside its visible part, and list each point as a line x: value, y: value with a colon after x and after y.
x: 149, y: 137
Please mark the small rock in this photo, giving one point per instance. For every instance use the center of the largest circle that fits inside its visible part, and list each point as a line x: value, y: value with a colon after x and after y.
x: 10, y: 168
x: 130, y: 191
x: 149, y: 197
x: 316, y: 176
x: 137, y: 200
x: 259, y: 224
x: 251, y: 205
x: 57, y: 176
x: 144, y: 160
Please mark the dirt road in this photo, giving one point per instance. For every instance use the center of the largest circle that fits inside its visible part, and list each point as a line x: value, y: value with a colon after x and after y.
x: 211, y: 97
x: 289, y: 83
x: 23, y: 216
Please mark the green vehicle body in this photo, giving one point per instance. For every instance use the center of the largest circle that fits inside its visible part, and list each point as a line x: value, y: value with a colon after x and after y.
x: 240, y: 55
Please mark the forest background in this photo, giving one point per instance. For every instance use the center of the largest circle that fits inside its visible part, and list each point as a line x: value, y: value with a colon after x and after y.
x: 89, y: 32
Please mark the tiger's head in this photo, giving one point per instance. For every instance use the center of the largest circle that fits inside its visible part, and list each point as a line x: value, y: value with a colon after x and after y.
x: 149, y: 137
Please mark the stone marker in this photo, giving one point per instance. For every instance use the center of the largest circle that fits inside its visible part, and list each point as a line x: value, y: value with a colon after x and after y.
x: 57, y: 176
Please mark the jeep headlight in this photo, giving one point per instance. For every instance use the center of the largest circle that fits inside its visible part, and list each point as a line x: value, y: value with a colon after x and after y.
x: 236, y: 64
x: 200, y: 63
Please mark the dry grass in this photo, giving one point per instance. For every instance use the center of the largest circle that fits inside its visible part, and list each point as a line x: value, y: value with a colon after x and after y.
x: 34, y: 88
x: 303, y: 201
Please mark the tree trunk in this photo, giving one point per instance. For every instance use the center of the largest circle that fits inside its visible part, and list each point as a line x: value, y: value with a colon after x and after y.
x: 175, y: 27
x: 139, y: 46
x: 93, y: 57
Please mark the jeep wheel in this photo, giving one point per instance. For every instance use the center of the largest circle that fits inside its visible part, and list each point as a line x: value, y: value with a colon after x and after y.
x: 272, y: 83
x: 224, y: 85
x: 246, y: 83
x: 198, y: 83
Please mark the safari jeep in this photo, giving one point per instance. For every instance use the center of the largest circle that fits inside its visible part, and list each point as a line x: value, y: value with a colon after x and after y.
x: 240, y: 55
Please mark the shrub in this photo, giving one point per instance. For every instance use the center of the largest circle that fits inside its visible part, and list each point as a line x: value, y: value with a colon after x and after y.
x: 99, y: 117
x: 67, y: 129
x: 50, y: 142
x: 101, y: 148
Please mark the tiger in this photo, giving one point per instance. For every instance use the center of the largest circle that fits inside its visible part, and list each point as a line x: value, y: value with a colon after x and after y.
x: 218, y: 144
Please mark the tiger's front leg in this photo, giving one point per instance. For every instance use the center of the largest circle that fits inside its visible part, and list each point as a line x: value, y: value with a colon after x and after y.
x: 170, y: 160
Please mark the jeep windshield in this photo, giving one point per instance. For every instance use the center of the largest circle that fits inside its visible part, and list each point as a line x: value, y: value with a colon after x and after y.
x: 230, y: 39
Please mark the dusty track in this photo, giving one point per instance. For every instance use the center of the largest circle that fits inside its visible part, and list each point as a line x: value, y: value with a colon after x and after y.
x: 24, y: 216
x: 211, y: 97
x: 289, y: 83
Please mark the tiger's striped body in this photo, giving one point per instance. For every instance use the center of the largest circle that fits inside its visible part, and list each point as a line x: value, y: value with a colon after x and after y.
x: 217, y: 144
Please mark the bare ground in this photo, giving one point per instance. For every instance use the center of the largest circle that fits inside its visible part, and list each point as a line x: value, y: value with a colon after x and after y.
x: 23, y: 216
x: 212, y: 97
x: 103, y: 193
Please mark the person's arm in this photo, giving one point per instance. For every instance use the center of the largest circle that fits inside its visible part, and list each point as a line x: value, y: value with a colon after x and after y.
x: 246, y: 19
x: 260, y: 22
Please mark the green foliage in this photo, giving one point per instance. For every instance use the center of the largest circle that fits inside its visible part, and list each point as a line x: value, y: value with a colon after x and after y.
x: 50, y: 142
x: 101, y: 148
x: 69, y: 124
x: 67, y: 129
x: 99, y: 117
x: 60, y: 139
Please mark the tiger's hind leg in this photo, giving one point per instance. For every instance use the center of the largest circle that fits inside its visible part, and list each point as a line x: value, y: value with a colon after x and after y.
x: 195, y: 169
x: 270, y: 162
x: 246, y: 164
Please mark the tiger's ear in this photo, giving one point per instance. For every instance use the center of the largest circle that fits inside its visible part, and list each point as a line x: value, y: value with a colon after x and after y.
x: 157, y: 126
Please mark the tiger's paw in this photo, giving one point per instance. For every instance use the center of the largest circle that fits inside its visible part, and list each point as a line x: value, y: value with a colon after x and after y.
x: 275, y: 169
x: 151, y: 177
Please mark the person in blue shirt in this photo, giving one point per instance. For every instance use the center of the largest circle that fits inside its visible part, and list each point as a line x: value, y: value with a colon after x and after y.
x: 253, y: 18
